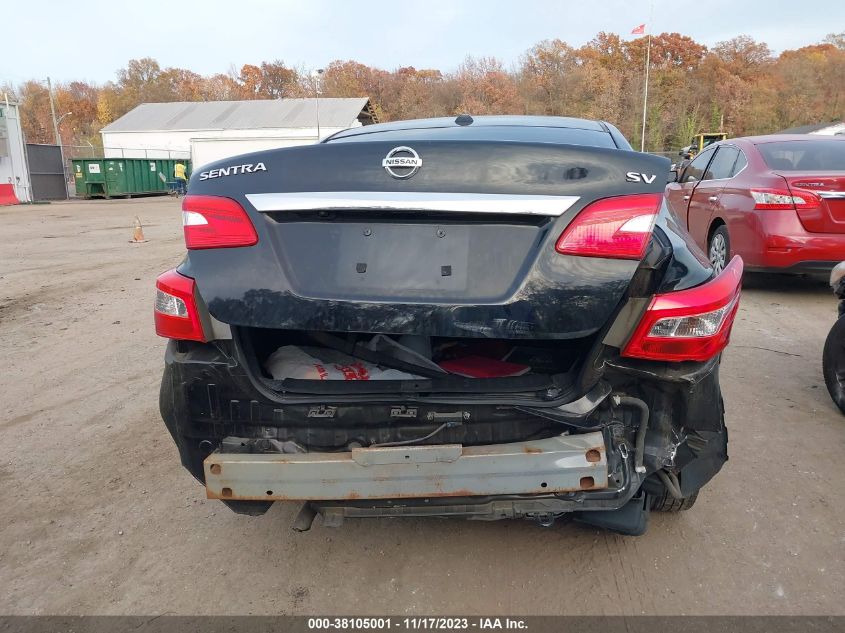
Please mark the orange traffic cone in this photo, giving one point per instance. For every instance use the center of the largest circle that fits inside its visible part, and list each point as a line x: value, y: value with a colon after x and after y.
x: 138, y: 233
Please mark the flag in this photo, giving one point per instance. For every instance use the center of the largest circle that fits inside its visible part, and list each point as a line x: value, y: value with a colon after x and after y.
x: 640, y: 30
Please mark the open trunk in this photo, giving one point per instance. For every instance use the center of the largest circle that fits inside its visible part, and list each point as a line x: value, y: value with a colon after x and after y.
x: 339, y: 414
x: 297, y: 362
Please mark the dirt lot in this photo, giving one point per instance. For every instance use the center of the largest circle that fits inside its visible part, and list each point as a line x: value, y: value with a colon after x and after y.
x: 99, y: 516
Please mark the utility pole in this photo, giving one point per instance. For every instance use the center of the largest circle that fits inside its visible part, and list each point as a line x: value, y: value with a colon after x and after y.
x: 58, y: 136
x: 53, y: 113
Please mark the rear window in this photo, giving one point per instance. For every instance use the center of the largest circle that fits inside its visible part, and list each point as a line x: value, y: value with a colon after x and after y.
x: 524, y: 134
x: 825, y: 155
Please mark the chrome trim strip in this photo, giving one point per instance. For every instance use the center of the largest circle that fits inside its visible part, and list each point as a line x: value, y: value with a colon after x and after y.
x: 413, y: 201
x: 829, y: 194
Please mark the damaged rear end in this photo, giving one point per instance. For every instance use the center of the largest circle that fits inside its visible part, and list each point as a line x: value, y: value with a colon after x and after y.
x: 487, y: 329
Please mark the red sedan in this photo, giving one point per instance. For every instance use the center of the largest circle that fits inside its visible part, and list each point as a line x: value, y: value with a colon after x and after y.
x: 778, y: 201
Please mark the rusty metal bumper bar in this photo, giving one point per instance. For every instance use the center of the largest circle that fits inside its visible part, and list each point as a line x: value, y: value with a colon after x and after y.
x: 564, y: 463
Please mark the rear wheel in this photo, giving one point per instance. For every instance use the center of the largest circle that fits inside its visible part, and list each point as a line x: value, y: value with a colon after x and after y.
x: 833, y: 363
x: 719, y: 248
x: 668, y: 503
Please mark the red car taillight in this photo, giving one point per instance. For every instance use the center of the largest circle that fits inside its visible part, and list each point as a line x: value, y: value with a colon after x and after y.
x: 615, y: 228
x: 693, y: 324
x: 214, y: 222
x: 176, y: 314
x: 782, y: 199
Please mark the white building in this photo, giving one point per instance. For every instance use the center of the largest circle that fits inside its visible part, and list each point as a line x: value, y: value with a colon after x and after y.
x: 13, y: 167
x: 212, y: 130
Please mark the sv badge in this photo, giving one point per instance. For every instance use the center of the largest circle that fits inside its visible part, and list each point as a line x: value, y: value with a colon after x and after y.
x: 633, y: 176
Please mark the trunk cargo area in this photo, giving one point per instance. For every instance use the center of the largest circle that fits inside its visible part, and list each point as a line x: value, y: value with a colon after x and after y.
x: 360, y: 363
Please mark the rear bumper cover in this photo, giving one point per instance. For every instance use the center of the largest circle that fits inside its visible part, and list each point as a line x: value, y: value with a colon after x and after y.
x: 553, y: 465
x: 786, y: 245
x: 806, y: 267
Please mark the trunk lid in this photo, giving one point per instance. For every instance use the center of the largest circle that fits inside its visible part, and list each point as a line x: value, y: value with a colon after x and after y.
x: 463, y: 247
x: 829, y: 215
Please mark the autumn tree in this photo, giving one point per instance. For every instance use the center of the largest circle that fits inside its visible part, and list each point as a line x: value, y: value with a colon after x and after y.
x: 278, y: 81
x: 550, y: 77
x: 810, y: 79
x: 35, y: 115
x: 738, y: 84
x: 221, y: 87
x: 485, y: 88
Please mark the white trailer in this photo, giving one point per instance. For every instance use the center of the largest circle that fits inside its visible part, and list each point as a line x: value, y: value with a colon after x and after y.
x: 13, y: 167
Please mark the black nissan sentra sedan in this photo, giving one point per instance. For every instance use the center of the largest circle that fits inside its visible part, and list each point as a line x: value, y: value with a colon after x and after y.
x: 487, y: 317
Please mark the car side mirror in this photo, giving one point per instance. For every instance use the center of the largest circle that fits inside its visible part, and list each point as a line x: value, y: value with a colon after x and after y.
x: 673, y: 175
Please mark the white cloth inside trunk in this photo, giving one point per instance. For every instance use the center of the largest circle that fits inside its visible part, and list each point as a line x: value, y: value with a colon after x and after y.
x: 320, y: 363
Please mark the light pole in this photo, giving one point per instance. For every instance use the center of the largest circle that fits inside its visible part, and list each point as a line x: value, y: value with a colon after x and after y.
x: 316, y: 75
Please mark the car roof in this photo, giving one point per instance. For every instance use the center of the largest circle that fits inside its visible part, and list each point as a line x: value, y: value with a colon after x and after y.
x: 477, y: 121
x: 778, y: 138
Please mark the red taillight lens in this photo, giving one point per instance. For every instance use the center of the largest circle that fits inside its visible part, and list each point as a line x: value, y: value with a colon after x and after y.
x: 692, y: 324
x: 176, y: 314
x: 214, y: 222
x: 782, y: 199
x: 615, y: 228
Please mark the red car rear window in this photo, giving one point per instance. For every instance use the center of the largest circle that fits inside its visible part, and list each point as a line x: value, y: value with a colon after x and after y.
x: 821, y: 155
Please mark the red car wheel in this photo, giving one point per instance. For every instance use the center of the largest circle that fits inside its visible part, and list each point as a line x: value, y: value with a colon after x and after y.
x: 719, y: 249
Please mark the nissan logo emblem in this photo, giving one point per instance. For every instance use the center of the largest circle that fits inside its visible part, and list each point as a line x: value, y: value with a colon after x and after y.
x: 402, y: 162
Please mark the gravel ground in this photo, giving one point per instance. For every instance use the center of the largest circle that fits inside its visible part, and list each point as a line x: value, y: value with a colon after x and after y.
x: 100, y: 518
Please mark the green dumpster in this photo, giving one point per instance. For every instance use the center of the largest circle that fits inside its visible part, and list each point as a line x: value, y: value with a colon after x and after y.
x: 109, y: 177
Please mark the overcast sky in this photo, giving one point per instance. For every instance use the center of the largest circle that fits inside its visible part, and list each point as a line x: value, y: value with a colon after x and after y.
x: 90, y: 40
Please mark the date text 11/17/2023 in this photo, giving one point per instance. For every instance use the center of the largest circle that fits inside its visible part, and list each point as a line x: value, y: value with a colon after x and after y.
x: 419, y: 623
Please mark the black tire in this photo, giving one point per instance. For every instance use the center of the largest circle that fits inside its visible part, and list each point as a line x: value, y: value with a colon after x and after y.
x: 833, y: 363
x: 719, y: 248
x: 667, y: 503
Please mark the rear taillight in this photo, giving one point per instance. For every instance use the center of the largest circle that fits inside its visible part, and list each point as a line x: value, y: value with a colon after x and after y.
x: 692, y: 324
x: 782, y: 199
x: 214, y: 222
x: 176, y: 314
x: 615, y: 228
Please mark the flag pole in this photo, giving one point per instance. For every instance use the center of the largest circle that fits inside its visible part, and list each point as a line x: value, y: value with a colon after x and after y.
x: 647, y: 65
x: 645, y: 89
